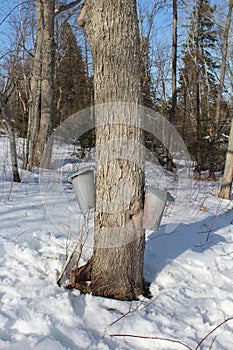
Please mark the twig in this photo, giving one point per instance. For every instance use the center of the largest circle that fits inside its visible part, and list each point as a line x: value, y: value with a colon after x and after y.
x: 154, y: 338
x: 83, y: 242
x: 213, y: 222
x: 9, y: 13
x: 63, y: 8
x: 130, y: 311
x: 213, y: 330
x: 68, y: 260
x: 212, y: 342
x: 70, y: 256
x: 10, y: 191
x: 177, y: 341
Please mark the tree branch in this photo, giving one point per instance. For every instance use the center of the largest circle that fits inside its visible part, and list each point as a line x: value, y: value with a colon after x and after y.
x: 63, y: 8
x: 10, y: 12
x: 151, y: 337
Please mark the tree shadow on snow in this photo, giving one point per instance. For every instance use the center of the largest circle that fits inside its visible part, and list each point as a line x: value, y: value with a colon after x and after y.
x: 199, y: 236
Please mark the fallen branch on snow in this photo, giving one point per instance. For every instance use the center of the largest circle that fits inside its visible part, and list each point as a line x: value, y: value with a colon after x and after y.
x: 177, y: 341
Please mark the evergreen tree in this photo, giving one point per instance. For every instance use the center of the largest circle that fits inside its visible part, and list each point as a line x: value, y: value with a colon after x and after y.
x: 198, y: 85
x: 72, y: 83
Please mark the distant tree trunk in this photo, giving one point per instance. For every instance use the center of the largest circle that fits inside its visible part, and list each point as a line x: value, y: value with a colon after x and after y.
x: 9, y: 126
x: 197, y: 86
x: 42, y: 83
x: 116, y: 268
x: 174, y: 63
x: 35, y: 90
x: 223, y: 65
x: 174, y: 78
x: 47, y: 81
x: 220, y: 89
x: 225, y: 191
x: 198, y: 133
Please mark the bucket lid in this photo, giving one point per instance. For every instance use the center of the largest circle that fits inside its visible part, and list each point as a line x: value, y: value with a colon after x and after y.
x: 163, y: 195
x: 83, y: 171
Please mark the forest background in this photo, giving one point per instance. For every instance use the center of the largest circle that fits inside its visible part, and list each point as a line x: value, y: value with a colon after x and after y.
x: 197, y: 100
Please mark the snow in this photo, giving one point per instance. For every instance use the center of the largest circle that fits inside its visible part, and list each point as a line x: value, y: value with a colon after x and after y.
x: 190, y: 270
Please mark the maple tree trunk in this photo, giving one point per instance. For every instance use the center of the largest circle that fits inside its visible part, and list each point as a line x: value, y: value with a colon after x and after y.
x: 117, y: 263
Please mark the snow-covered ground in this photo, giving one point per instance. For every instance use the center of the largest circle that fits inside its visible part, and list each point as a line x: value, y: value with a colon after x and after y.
x: 190, y: 270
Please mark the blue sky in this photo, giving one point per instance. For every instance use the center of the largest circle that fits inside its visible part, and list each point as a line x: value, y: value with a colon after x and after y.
x: 6, y: 7
x: 162, y: 24
x: 162, y: 19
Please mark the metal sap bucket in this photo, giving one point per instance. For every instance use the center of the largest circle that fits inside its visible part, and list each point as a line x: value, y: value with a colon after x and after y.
x: 84, y: 187
x: 155, y: 201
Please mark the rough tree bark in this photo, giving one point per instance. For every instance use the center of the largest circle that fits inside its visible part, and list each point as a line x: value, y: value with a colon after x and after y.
x: 42, y: 83
x: 35, y: 90
x: 47, y: 80
x: 225, y: 191
x: 116, y: 267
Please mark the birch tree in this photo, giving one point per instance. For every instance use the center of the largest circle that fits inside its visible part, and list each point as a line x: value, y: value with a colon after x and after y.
x: 226, y: 186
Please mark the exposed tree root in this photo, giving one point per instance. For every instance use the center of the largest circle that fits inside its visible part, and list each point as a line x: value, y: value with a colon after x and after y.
x: 80, y: 278
x: 225, y: 193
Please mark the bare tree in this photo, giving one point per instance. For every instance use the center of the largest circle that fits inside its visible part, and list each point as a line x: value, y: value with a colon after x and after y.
x: 146, y: 24
x: 174, y: 62
x: 41, y: 107
x: 42, y: 83
x: 217, y: 128
x: 9, y: 126
x: 174, y: 76
x: 15, y: 64
x: 47, y: 78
